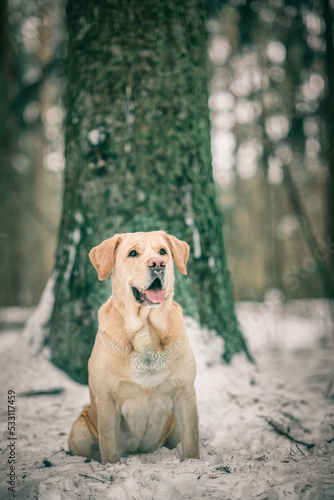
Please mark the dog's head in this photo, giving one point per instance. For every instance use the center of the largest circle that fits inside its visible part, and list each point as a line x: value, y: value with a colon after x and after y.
x: 141, y: 265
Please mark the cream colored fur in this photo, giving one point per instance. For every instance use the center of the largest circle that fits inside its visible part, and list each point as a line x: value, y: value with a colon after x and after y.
x: 142, y: 369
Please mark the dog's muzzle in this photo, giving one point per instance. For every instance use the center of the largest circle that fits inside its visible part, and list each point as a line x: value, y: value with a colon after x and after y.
x: 155, y: 293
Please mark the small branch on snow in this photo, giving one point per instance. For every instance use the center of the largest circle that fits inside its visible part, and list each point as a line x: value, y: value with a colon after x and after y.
x: 58, y: 451
x: 46, y: 392
x: 300, y: 450
x: 91, y: 477
x: 280, y: 430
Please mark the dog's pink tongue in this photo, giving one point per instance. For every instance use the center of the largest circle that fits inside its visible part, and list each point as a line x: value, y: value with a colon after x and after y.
x: 155, y: 296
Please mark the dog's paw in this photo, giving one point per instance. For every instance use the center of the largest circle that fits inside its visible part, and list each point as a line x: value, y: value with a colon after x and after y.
x: 190, y: 459
x: 113, y: 459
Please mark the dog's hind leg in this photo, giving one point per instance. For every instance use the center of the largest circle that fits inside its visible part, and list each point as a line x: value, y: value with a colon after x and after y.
x: 83, y: 439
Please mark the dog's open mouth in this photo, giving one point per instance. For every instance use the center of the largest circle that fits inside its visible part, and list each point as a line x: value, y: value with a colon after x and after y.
x: 154, y: 294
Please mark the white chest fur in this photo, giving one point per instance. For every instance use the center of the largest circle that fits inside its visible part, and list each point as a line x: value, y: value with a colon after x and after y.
x: 148, y: 367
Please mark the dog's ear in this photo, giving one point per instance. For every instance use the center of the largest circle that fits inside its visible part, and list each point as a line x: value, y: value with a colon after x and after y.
x: 180, y: 252
x: 103, y: 256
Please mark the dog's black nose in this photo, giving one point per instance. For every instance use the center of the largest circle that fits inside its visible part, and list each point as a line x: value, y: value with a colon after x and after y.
x: 157, y: 263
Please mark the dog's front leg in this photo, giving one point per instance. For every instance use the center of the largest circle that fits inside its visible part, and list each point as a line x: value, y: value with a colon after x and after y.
x: 109, y: 428
x: 186, y: 416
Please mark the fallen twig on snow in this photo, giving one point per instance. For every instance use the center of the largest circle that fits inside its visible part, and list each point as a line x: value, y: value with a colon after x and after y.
x: 58, y: 451
x: 46, y: 392
x: 300, y: 450
x: 91, y: 477
x: 280, y: 430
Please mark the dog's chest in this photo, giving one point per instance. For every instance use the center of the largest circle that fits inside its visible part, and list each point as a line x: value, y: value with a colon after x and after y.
x: 148, y: 366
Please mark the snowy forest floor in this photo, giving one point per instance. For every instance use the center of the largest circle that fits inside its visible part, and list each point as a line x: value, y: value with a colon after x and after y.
x: 243, y: 456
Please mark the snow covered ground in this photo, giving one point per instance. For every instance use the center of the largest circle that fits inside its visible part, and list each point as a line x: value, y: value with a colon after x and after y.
x: 243, y: 456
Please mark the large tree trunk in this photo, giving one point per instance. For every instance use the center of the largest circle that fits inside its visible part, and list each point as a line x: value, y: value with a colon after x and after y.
x: 137, y: 159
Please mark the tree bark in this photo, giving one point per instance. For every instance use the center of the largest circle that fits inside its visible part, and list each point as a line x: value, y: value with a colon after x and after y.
x: 137, y: 149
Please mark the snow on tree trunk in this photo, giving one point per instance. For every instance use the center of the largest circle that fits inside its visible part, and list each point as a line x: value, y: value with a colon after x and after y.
x: 137, y: 159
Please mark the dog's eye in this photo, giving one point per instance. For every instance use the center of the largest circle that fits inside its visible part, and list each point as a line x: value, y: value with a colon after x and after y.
x: 163, y: 251
x: 133, y: 253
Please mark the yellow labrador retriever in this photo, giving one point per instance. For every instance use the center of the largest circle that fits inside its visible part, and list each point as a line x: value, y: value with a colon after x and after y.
x: 142, y: 369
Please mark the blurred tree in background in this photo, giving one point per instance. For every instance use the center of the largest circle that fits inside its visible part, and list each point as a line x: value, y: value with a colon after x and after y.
x: 137, y: 148
x: 31, y: 67
x: 272, y: 143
